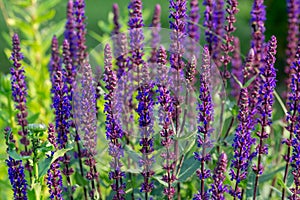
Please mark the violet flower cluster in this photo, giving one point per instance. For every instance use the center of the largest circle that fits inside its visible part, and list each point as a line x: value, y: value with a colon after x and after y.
x: 178, y: 26
x: 242, y: 144
x: 218, y: 31
x: 193, y: 30
x: 155, y: 28
x: 54, y: 177
x: 145, y: 112
x: 165, y: 101
x: 114, y: 132
x: 293, y: 10
x: 205, y: 119
x: 19, y: 93
x: 293, y: 126
x: 208, y: 22
x: 228, y: 46
x: 265, y: 104
x: 17, y: 179
x: 218, y: 188
x: 136, y: 24
x: 16, y: 172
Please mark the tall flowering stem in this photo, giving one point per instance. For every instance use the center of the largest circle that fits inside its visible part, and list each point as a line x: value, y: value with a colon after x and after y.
x: 55, y: 63
x: 178, y: 26
x: 228, y: 47
x: 292, y: 117
x: 114, y: 132
x: 19, y: 93
x: 193, y: 31
x: 62, y: 110
x: 219, y: 31
x: 155, y: 28
x: 242, y: 145
x: 145, y: 111
x: 136, y: 24
x: 258, y: 18
x: 16, y: 171
x: 218, y: 188
x: 80, y: 17
x: 17, y: 178
x: 208, y: 22
x: 70, y: 33
x: 54, y: 178
x: 205, y: 119
x: 264, y: 107
x: 166, y: 102
x: 86, y: 101
x: 236, y: 68
x: 293, y: 11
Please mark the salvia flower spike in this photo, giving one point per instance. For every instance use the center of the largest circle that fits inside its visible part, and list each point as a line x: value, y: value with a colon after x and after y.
x: 242, y: 144
x: 205, y: 118
x: 54, y: 177
x: 264, y: 107
x: 218, y: 188
x: 293, y: 119
x: 19, y: 92
x: 17, y: 179
x: 114, y: 132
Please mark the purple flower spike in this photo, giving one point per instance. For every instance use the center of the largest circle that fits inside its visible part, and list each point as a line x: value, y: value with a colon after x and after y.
x: 136, y: 24
x: 54, y: 178
x: 167, y: 108
x: 19, y: 92
x: 218, y: 188
x: 145, y: 111
x: 265, y: 103
x: 155, y: 28
x: 80, y: 17
x: 258, y: 19
x: 228, y: 46
x: 236, y: 68
x: 293, y: 119
x: 17, y: 178
x: 205, y: 118
x: 219, y: 31
x: 117, y: 25
x: 178, y: 25
x: 208, y: 22
x: 70, y: 32
x: 293, y: 7
x: 242, y: 144
x: 70, y: 70
x: 193, y: 48
x: 113, y: 131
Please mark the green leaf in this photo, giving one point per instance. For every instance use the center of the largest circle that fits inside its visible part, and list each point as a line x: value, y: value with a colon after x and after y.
x: 269, y: 176
x: 80, y: 180
x: 249, y: 82
x: 44, y: 165
x: 14, y: 155
x: 33, y: 118
x: 189, y: 167
x: 60, y: 153
x: 250, y: 185
x: 290, y: 179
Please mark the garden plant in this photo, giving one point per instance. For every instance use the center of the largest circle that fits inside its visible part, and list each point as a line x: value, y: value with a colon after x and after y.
x: 149, y: 111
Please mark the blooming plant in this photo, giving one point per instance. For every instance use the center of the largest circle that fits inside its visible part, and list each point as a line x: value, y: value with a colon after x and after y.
x: 151, y: 112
